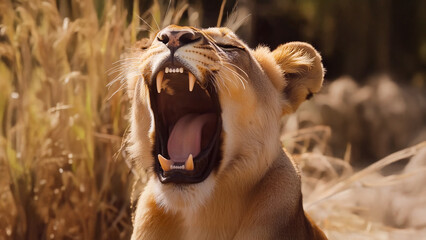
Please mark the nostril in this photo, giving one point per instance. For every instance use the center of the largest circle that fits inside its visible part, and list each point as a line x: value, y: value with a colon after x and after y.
x: 188, y: 38
x: 175, y: 39
x: 163, y: 38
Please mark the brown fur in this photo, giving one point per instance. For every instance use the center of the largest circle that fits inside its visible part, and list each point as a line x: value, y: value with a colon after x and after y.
x: 255, y: 193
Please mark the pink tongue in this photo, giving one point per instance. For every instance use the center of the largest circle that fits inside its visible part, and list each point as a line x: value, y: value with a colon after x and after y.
x: 185, y: 137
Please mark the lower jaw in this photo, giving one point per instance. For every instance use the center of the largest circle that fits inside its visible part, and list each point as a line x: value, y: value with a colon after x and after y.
x: 205, y: 163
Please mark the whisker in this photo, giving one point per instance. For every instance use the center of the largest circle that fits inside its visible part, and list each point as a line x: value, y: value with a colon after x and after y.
x: 115, y: 70
x: 118, y: 90
x: 152, y: 29
x: 119, y: 78
x: 122, y: 68
x: 239, y: 77
x: 238, y: 68
x: 122, y: 77
x: 233, y: 71
x: 126, y: 59
x: 225, y: 70
x: 122, y: 64
x: 119, y: 67
x: 236, y: 74
x: 223, y: 83
x: 216, y: 82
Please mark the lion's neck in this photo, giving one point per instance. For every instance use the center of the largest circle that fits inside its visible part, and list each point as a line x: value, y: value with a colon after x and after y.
x: 222, y: 214
x: 219, y: 217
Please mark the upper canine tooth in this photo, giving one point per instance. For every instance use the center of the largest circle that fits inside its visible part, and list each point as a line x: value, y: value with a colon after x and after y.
x: 160, y: 76
x: 167, y: 70
x: 165, y: 164
x: 189, y: 164
x: 191, y: 81
x: 181, y: 70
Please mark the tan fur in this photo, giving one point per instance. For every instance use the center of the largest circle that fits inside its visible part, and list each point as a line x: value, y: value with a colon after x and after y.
x: 255, y: 193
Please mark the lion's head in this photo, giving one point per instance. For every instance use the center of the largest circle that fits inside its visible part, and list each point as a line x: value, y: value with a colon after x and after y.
x: 206, y: 109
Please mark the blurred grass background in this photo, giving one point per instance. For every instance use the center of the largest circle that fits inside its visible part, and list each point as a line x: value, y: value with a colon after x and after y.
x: 63, y: 171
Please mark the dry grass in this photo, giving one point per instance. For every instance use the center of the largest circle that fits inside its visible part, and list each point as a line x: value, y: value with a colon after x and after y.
x: 376, y: 118
x: 364, y: 204
x: 385, y: 200
x: 62, y: 174
x: 59, y: 176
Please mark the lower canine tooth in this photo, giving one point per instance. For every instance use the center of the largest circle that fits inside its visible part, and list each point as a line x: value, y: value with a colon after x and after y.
x: 189, y: 164
x: 191, y: 81
x: 160, y: 76
x: 165, y: 164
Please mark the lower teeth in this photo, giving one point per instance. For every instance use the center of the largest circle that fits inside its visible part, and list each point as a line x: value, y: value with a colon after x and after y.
x: 177, y: 167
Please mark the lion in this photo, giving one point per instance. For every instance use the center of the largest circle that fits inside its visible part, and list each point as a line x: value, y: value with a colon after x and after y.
x: 205, y: 127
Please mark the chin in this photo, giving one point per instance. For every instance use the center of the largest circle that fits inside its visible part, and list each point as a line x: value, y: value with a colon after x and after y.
x: 183, y: 198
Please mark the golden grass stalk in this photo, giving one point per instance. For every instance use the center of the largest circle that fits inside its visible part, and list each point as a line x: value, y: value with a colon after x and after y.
x: 343, y: 184
x: 59, y: 134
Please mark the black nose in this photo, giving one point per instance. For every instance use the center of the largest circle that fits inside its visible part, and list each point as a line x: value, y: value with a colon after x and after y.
x: 176, y: 38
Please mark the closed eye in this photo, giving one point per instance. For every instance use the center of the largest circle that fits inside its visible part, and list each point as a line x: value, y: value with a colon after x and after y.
x: 229, y: 47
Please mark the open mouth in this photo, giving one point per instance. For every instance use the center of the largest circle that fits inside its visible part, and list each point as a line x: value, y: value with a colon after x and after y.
x: 188, y: 125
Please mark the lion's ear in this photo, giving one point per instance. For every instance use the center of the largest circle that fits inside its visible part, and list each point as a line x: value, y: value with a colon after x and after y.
x: 303, y: 72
